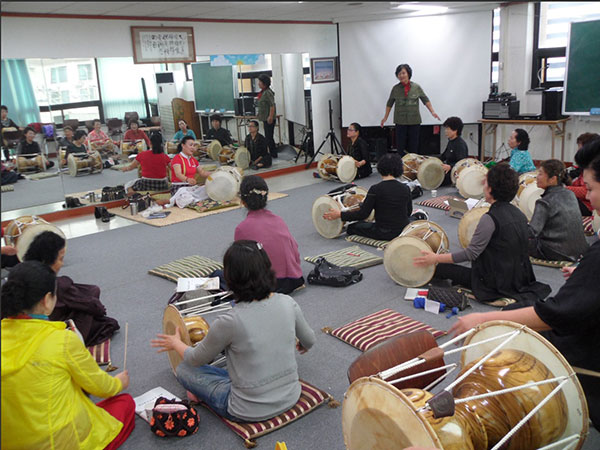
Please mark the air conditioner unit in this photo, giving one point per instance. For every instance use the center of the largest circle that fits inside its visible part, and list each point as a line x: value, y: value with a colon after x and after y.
x: 165, y: 88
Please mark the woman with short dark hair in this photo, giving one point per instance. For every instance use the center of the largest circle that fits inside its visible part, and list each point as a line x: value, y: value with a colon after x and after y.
x: 272, y: 232
x: 258, y: 336
x: 154, y: 163
x: 47, y: 374
x: 29, y: 148
x: 456, y: 149
x: 406, y: 95
x: 520, y: 158
x: 359, y: 150
x: 577, y: 186
x: 500, y: 266
x: 134, y: 134
x: 266, y: 111
x: 258, y: 147
x: 184, y: 166
x: 555, y: 229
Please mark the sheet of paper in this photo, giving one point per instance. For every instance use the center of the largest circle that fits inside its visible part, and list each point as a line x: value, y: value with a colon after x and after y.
x: 145, y: 402
x: 471, y: 202
x: 191, y: 284
x: 432, y: 306
x: 411, y: 293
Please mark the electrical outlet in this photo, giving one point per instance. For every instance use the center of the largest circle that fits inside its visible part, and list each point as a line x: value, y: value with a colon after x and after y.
x: 471, y: 135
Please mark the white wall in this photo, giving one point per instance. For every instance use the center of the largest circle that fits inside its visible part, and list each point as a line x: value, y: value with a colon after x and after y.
x: 60, y: 38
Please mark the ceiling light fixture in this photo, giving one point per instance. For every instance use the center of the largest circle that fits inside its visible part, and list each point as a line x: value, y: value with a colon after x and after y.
x: 421, y: 8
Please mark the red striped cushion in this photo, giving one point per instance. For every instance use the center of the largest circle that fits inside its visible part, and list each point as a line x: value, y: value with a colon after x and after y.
x: 587, y: 225
x: 310, y: 398
x: 101, y: 352
x: 437, y: 202
x: 370, y: 330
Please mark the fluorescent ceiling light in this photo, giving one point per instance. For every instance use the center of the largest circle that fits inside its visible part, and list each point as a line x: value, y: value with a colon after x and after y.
x: 429, y: 9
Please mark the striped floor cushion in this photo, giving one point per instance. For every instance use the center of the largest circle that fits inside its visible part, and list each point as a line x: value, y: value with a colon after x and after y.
x: 42, y: 175
x: 120, y: 166
x: 188, y: 267
x: 310, y: 398
x: 352, y: 256
x: 437, y: 202
x: 8, y: 188
x: 101, y: 353
x: 367, y: 241
x: 548, y: 263
x: 587, y: 225
x: 370, y: 330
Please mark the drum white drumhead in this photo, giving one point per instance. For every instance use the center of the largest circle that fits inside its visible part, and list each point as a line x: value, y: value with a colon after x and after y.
x: 527, y: 199
x: 346, y: 169
x: 398, y: 261
x: 470, y: 181
x: 468, y: 223
x: 15, y: 228
x: 431, y: 173
x: 222, y: 186
x: 72, y: 164
x: 532, y: 343
x: 30, y: 232
x: 419, y: 228
x: 327, y: 228
x: 596, y: 221
x: 242, y: 158
x: 213, y: 149
x: 461, y: 165
x: 376, y: 415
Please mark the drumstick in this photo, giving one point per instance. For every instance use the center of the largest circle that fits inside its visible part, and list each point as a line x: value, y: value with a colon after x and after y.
x: 125, y: 357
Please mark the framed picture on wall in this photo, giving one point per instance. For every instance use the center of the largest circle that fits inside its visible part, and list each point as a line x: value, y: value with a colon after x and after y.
x: 156, y: 45
x: 324, y: 70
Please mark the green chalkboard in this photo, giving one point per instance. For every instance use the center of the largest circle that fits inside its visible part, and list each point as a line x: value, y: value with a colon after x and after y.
x: 213, y: 86
x: 582, y: 79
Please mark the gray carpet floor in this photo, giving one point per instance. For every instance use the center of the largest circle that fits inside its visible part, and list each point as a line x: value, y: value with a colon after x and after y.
x: 118, y: 261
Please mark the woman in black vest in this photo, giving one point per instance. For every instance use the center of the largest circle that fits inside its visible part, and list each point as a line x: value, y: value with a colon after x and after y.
x: 500, y: 269
x: 359, y: 150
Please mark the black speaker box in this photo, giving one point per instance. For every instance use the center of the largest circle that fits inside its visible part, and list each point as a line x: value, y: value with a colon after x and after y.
x: 552, y: 104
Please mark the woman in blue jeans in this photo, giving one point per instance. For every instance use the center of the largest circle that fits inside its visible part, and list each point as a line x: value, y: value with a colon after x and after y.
x: 258, y: 336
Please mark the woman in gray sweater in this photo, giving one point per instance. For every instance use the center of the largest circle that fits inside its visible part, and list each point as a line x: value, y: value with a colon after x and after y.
x: 258, y: 336
x: 555, y: 230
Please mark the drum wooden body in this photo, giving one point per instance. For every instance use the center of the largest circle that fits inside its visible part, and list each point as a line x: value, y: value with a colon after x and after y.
x: 469, y: 181
x: 399, y: 253
x: 468, y: 223
x: 171, y: 148
x: 214, y: 149
x: 528, y: 193
x: 375, y: 414
x: 428, y: 170
x: 463, y: 164
x: 336, y: 167
x: 107, y: 145
x: 226, y: 155
x: 21, y: 232
x: 199, y: 149
x: 83, y: 162
x: 30, y: 164
x: 62, y: 156
x: 351, y: 198
x: 224, y: 184
x: 192, y: 330
x: 127, y: 148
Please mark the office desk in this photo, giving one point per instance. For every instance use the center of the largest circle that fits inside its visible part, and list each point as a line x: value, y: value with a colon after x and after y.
x: 241, y: 121
x: 557, y: 129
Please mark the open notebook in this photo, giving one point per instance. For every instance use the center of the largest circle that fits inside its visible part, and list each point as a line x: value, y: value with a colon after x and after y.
x: 145, y: 402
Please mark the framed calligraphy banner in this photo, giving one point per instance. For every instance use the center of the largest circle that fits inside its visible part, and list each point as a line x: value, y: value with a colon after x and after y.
x: 155, y: 45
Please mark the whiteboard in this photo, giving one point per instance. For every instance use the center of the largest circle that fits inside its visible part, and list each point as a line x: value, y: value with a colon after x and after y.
x: 293, y: 87
x: 450, y: 56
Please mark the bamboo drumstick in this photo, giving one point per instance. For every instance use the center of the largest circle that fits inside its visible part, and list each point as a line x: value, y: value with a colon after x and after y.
x: 125, y: 357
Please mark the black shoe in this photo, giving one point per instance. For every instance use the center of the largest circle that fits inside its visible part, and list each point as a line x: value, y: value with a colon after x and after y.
x: 106, y: 215
x: 98, y: 212
x: 76, y: 202
x: 49, y: 164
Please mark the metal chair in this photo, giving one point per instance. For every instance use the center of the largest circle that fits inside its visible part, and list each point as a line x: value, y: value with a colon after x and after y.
x: 129, y: 115
x: 115, y: 127
x: 89, y: 124
x: 73, y: 123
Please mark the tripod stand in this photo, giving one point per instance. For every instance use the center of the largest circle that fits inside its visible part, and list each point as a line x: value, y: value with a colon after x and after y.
x: 336, y: 147
x: 307, y: 146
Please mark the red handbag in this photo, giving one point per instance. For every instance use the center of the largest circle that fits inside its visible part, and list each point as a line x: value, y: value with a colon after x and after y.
x: 173, y: 418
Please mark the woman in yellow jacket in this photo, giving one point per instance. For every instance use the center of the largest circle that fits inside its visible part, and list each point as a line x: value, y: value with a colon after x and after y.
x: 45, y: 371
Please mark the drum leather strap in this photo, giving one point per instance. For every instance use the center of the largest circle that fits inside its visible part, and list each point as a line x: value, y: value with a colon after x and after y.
x: 433, y: 354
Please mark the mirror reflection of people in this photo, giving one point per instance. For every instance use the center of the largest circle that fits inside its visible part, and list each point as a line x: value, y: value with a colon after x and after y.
x: 217, y: 132
x: 184, y: 166
x: 266, y: 111
x: 183, y: 131
x: 555, y: 229
x: 500, y: 268
x: 456, y: 149
x: 77, y: 145
x: 407, y: 118
x: 64, y: 141
x: 98, y: 139
x: 520, y: 158
x: 47, y: 372
x: 577, y: 186
x: 257, y: 146
x: 570, y: 320
x: 154, y: 163
x: 359, y: 150
x: 30, y: 148
x: 6, y: 123
x: 134, y: 134
x: 258, y: 336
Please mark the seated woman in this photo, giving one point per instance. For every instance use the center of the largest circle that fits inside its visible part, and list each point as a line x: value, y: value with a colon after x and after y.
x: 47, y: 371
x: 391, y: 201
x: 577, y: 186
x: 184, y: 166
x: 359, y: 150
x: 154, y: 163
x: 183, y: 131
x: 555, y: 230
x: 29, y: 148
x: 5, y: 122
x: 77, y: 145
x: 98, y: 140
x: 520, y: 159
x: 134, y: 134
x: 216, y: 132
x: 67, y: 139
x: 79, y: 302
x: 271, y: 231
x: 456, y: 149
x: 571, y: 318
x: 500, y: 266
x: 257, y: 146
x: 8, y: 174
x: 258, y: 336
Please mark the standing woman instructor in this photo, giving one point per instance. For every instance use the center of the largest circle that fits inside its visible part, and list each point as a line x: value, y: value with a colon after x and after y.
x: 407, y: 118
x: 266, y: 111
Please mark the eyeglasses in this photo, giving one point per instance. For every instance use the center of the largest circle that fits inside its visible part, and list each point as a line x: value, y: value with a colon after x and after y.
x: 351, y: 129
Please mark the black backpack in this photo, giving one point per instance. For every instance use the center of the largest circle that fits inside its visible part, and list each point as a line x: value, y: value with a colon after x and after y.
x: 329, y: 274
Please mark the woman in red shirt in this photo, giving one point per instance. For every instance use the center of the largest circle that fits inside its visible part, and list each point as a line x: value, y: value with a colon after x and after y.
x: 134, y: 134
x: 184, y: 166
x: 154, y: 165
x: 577, y: 185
